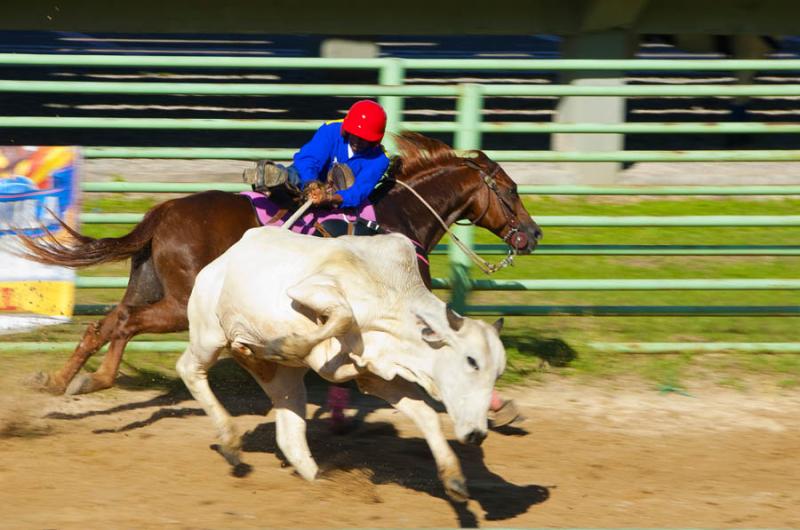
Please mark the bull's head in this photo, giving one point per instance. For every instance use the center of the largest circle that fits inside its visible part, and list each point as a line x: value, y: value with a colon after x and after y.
x: 468, y: 357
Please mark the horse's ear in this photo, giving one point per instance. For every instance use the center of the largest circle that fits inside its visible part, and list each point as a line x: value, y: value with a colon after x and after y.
x: 481, y: 156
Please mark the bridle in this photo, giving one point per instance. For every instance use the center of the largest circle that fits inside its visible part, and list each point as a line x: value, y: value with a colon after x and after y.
x: 515, y: 238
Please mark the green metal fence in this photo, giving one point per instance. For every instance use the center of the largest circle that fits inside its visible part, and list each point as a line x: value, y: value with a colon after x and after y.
x: 468, y: 127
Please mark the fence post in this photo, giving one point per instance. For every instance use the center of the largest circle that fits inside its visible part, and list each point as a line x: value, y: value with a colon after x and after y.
x: 392, y: 73
x: 467, y: 136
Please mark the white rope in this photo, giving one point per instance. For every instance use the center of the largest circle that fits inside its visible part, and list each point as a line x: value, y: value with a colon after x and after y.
x: 483, y: 265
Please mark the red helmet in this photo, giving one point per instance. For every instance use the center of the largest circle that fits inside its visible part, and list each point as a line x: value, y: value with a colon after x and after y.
x: 365, y: 119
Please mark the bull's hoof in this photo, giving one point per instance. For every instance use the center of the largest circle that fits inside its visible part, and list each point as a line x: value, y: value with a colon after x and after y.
x: 81, y: 384
x: 231, y: 452
x: 42, y: 382
x: 456, y: 489
x: 241, y: 470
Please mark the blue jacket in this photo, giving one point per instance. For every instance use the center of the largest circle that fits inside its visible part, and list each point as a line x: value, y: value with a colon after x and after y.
x: 314, y: 159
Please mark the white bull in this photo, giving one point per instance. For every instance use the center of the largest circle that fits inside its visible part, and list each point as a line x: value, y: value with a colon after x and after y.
x: 348, y: 308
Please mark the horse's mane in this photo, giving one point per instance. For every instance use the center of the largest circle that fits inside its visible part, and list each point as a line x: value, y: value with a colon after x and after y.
x: 422, y: 159
x: 419, y: 153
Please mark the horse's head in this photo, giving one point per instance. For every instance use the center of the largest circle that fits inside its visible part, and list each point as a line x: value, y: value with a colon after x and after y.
x: 496, y: 205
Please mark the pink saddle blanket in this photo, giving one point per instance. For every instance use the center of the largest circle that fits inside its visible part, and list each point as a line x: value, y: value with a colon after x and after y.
x: 266, y: 209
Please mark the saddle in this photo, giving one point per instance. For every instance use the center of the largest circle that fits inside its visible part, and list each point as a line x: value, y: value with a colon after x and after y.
x: 274, y: 206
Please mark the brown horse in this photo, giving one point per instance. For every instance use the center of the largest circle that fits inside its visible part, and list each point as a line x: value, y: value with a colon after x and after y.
x: 179, y: 237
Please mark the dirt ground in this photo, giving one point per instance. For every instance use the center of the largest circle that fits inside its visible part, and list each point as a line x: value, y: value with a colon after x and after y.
x: 618, y: 456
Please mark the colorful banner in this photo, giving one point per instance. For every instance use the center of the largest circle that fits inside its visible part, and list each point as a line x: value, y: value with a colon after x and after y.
x: 35, y: 183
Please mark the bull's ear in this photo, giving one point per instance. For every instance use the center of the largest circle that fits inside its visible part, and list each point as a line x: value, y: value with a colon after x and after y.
x: 455, y: 320
x: 428, y: 334
x: 498, y: 325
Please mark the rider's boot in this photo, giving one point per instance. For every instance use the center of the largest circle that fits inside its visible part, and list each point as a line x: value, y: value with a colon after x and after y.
x: 503, y: 412
x: 267, y: 174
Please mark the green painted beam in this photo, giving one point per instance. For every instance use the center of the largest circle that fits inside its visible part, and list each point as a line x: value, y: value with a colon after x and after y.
x: 243, y: 153
x: 233, y: 89
x: 59, y: 122
x: 135, y: 346
x: 674, y: 220
x: 641, y: 90
x: 659, y: 190
x: 177, y: 153
x: 157, y: 123
x: 101, y: 282
x: 578, y: 310
x: 226, y: 62
x: 706, y: 347
x: 187, y: 187
x: 626, y: 285
x: 632, y: 311
x: 281, y: 89
x: 640, y: 128
x: 766, y: 155
x: 565, y: 220
x: 107, y: 282
x: 161, y: 187
x: 642, y: 250
x: 311, y: 125
x: 605, y: 64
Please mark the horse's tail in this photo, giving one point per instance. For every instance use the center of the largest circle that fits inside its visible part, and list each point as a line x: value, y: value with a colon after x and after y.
x: 82, y: 251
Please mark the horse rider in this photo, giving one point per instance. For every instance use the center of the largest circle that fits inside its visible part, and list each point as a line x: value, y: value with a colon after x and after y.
x: 351, y: 146
x: 345, y: 151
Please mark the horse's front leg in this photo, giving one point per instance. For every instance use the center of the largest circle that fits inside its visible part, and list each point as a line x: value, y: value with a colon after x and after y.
x: 406, y: 397
x: 287, y: 391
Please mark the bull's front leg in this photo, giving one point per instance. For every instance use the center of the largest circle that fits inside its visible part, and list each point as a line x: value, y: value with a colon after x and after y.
x: 288, y: 394
x: 406, y: 397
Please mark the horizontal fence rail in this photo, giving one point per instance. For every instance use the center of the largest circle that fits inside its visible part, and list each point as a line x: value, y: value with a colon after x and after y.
x: 419, y: 126
x: 566, y: 220
x: 633, y: 310
x: 250, y: 153
x: 631, y: 347
x: 252, y: 89
x: 178, y: 61
x: 670, y: 347
x: 190, y: 187
x: 468, y: 126
x: 105, y: 282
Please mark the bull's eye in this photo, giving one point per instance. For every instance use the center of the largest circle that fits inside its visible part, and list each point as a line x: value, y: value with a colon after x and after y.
x: 473, y: 363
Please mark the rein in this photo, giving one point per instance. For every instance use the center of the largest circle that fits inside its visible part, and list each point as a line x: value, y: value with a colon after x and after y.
x: 483, y: 265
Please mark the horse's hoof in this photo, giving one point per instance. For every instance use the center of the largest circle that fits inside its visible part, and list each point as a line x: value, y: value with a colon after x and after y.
x: 42, y: 382
x: 456, y: 489
x: 80, y: 384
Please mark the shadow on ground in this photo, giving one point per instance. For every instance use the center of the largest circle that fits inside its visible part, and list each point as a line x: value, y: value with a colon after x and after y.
x: 372, y: 449
x: 376, y: 451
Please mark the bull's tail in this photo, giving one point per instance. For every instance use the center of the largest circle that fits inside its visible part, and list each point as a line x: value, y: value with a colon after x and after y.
x: 82, y: 251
